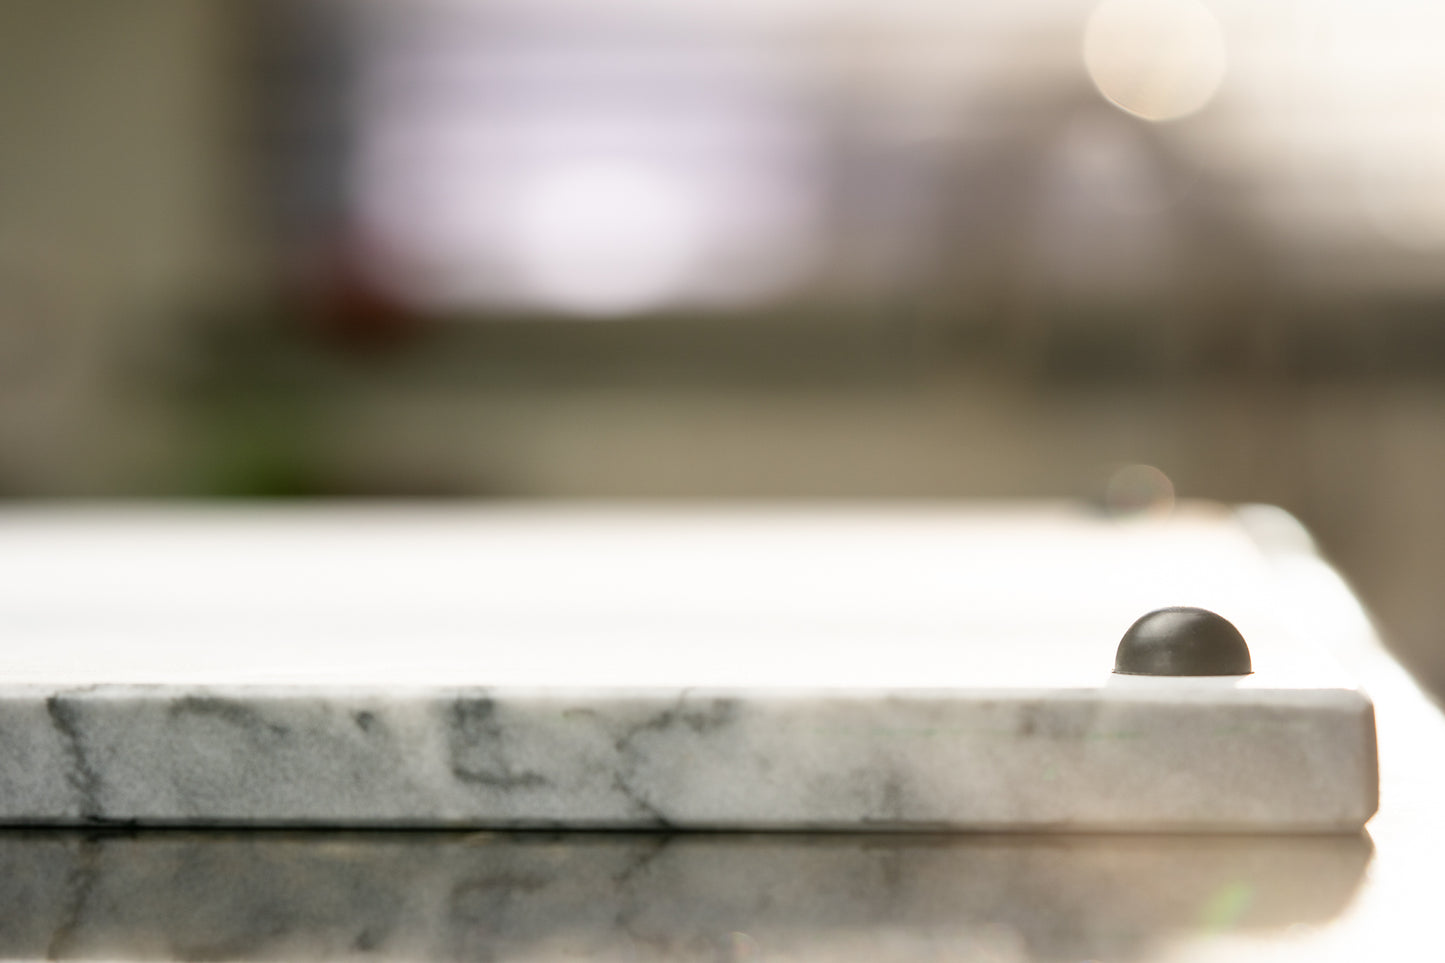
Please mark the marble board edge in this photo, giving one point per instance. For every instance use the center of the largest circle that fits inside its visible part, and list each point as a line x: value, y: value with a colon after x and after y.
x: 1080, y: 760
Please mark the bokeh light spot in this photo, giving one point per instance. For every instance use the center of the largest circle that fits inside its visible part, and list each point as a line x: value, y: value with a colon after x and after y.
x: 607, y: 238
x: 1139, y: 490
x: 1156, y: 59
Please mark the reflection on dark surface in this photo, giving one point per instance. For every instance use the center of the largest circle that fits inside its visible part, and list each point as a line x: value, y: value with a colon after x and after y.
x: 273, y: 895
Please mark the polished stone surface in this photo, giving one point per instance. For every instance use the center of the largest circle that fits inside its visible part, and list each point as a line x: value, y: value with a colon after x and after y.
x: 548, y: 897
x: 702, y: 669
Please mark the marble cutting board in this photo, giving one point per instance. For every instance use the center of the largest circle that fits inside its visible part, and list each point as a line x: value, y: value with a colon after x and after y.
x: 675, y: 668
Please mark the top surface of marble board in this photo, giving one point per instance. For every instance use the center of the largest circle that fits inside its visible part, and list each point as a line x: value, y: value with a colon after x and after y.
x: 851, y: 597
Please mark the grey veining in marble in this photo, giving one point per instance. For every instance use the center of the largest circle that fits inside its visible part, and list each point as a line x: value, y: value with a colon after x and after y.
x: 694, y: 759
x: 428, y: 896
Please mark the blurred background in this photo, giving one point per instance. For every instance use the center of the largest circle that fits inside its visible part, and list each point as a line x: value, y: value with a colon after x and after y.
x: 763, y: 248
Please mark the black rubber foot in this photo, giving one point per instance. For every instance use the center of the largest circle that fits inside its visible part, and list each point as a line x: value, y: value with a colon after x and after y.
x: 1182, y: 641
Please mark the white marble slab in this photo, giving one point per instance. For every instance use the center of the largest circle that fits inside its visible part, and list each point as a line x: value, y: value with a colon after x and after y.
x: 664, y: 668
